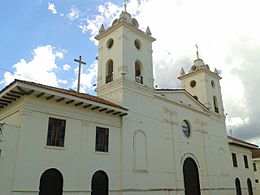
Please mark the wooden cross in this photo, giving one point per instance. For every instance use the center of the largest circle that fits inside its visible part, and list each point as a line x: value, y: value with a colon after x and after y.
x: 80, y: 62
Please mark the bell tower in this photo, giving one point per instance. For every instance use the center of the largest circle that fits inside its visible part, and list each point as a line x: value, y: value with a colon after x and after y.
x: 203, y: 85
x: 124, y: 59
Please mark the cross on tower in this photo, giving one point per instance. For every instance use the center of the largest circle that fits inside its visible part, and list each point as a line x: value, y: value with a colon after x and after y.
x: 80, y: 62
x: 125, y: 4
x: 197, y: 51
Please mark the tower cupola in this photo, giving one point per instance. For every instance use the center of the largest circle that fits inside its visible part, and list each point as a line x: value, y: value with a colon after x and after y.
x: 124, y: 57
x: 203, y: 84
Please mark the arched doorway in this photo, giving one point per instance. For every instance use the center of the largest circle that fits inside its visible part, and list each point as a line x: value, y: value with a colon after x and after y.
x: 51, y: 182
x: 191, y: 177
x: 99, y: 183
x: 238, y: 187
x: 249, y: 186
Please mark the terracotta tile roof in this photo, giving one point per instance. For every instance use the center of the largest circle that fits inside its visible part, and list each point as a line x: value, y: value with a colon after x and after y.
x: 256, y: 153
x: 242, y: 141
x: 67, y: 92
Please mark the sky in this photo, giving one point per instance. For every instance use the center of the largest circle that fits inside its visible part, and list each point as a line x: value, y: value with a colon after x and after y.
x: 39, y: 40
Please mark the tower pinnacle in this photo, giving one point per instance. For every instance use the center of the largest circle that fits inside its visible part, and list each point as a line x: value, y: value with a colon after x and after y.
x: 197, y: 51
x: 125, y: 5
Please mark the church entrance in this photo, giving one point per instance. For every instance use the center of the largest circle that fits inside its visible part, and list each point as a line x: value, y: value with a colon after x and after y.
x: 99, y: 183
x: 191, y: 177
x: 51, y: 182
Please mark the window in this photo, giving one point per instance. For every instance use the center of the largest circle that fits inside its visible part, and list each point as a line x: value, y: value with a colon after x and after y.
x: 215, y: 101
x: 254, y: 167
x: 102, y: 135
x: 234, y: 159
x: 249, y: 187
x: 138, y: 44
x: 193, y: 83
x: 110, y: 43
x: 56, y: 132
x: 256, y: 181
x: 186, y: 128
x: 245, y: 161
x: 212, y: 83
x: 109, y: 76
x: 138, y: 72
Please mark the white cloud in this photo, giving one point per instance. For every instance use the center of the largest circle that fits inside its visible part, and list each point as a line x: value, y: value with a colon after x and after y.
x: 40, y: 69
x: 59, y: 54
x: 52, y: 8
x: 179, y: 25
x: 61, y: 81
x: 106, y: 13
x: 74, y: 13
x: 66, y: 67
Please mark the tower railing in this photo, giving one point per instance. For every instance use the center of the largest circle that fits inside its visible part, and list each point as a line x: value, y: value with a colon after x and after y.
x: 139, y: 79
x: 109, y: 78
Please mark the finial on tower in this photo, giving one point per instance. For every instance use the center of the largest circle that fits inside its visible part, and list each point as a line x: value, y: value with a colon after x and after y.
x: 125, y: 4
x: 197, y: 51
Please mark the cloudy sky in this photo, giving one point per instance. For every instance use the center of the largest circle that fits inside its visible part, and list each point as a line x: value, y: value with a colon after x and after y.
x: 40, y: 39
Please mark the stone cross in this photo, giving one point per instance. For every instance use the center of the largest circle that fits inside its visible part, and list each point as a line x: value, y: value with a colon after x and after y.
x: 80, y: 62
x: 125, y: 4
x: 197, y: 51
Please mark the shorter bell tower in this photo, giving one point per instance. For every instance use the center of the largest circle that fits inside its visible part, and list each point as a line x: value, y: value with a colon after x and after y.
x: 124, y: 59
x: 203, y: 85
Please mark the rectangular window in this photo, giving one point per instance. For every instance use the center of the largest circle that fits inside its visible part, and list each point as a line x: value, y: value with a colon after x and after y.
x: 234, y: 159
x: 56, y: 132
x: 245, y: 161
x: 102, y: 136
x: 254, y: 167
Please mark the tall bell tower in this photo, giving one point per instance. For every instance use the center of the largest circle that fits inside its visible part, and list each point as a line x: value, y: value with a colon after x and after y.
x: 124, y: 59
x: 203, y: 85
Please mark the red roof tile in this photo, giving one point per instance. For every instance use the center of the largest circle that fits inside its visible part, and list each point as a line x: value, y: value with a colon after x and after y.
x: 68, y: 92
x: 256, y: 153
x: 241, y: 141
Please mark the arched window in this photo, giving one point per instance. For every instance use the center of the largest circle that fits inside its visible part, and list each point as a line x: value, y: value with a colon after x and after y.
x: 99, y: 183
x: 140, y: 155
x: 51, y: 182
x: 238, y: 187
x: 215, y: 101
x: 249, y: 186
x: 109, y: 75
x: 138, y: 72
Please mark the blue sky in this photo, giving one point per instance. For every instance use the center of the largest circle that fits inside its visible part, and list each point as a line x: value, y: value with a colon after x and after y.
x: 41, y: 38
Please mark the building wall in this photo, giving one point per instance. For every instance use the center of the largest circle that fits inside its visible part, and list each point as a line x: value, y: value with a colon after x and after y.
x: 160, y: 120
x: 240, y: 171
x: 257, y: 175
x: 26, y: 155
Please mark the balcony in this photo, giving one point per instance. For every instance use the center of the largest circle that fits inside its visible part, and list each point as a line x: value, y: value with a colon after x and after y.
x: 109, y: 78
x: 139, y: 79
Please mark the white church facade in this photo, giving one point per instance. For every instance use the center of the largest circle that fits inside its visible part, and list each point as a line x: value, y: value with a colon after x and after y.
x: 130, y: 139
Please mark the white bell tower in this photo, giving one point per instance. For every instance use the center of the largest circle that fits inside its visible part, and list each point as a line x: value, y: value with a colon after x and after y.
x: 124, y: 59
x: 203, y: 85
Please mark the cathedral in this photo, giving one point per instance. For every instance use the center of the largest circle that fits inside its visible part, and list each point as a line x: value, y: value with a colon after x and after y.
x: 129, y: 139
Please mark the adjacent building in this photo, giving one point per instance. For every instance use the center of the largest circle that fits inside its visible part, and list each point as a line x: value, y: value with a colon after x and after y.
x: 256, y: 168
